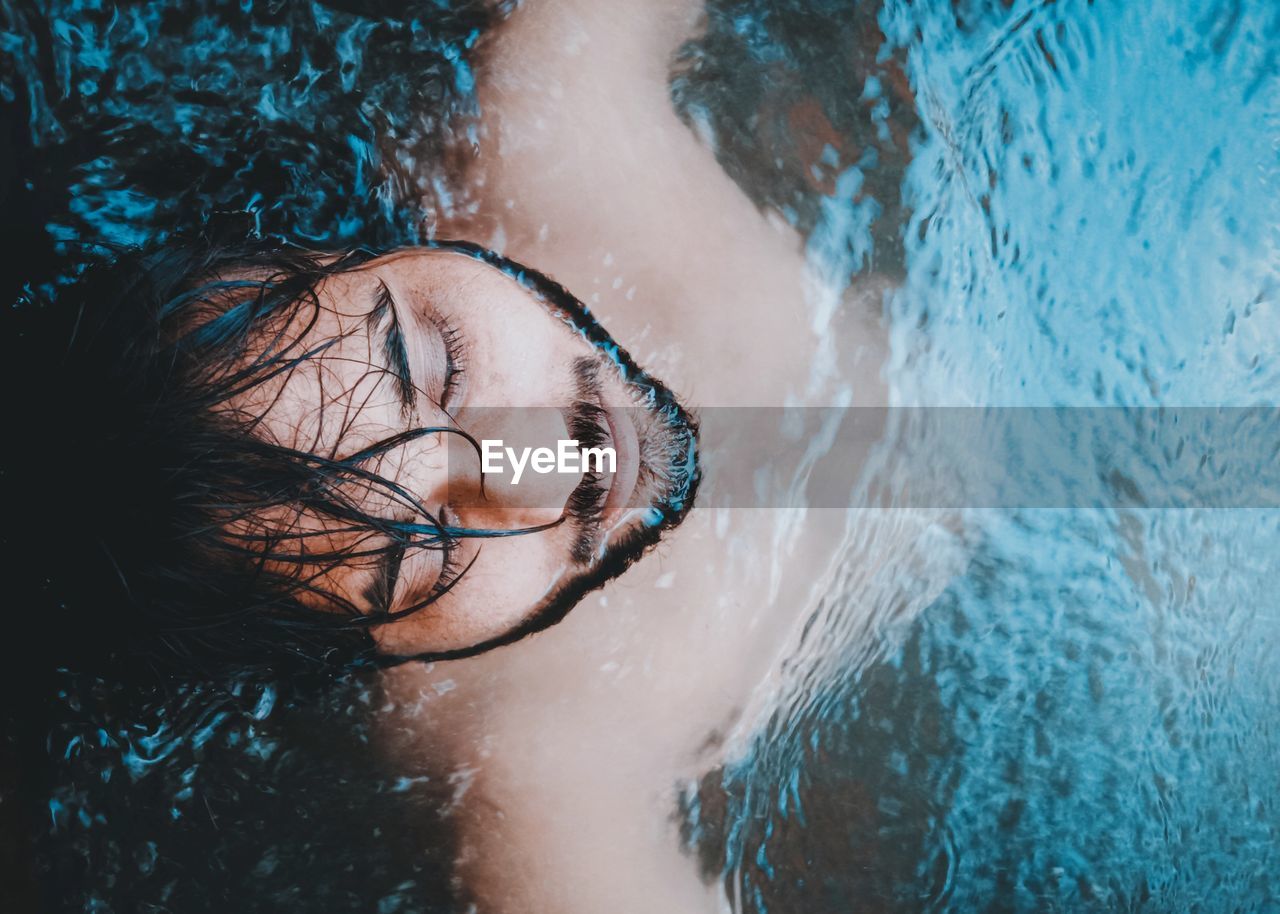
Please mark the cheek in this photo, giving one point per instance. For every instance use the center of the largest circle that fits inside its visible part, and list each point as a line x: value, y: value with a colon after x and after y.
x: 509, y: 579
x: 521, y: 355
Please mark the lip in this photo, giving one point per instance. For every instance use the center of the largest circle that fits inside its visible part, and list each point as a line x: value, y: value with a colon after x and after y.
x: 622, y: 431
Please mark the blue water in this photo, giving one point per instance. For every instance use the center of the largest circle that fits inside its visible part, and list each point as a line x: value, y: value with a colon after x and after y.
x: 1086, y: 720
x: 1080, y: 202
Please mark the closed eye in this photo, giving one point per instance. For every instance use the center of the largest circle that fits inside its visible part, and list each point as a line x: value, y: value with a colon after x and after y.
x: 455, y: 363
x: 420, y: 589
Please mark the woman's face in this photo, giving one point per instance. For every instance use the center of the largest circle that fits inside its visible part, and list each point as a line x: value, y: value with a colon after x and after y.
x: 437, y: 338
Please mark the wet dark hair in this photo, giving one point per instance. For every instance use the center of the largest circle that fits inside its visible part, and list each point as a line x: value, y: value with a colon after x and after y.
x: 138, y: 503
x: 149, y: 520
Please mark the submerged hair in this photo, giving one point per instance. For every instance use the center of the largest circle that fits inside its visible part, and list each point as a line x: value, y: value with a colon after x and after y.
x: 148, y: 518
x: 153, y: 518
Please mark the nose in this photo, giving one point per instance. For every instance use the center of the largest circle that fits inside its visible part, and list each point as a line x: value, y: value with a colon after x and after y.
x: 515, y: 479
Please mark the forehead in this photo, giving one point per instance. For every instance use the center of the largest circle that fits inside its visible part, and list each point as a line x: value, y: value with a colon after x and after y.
x: 325, y: 389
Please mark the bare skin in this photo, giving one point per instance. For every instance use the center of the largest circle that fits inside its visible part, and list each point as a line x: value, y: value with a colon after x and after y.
x: 576, y: 739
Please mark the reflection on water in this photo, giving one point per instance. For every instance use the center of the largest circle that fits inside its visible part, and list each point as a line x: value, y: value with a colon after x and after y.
x: 1084, y: 720
x: 1081, y: 722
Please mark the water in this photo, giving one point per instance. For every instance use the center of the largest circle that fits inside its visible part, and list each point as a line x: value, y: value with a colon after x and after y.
x: 1085, y: 720
x: 1079, y: 204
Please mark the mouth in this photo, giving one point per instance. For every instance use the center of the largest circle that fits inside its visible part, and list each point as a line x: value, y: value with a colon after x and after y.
x: 598, y: 506
x: 651, y: 483
x: 622, y: 485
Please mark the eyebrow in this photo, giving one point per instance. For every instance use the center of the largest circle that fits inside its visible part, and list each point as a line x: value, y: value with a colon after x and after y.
x: 385, y: 322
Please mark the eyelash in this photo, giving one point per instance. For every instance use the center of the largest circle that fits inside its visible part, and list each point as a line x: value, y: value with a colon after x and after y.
x: 448, y: 554
x: 455, y: 360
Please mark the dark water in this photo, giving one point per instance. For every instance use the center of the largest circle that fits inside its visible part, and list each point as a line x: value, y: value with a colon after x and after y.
x: 1080, y: 199
x: 238, y: 797
x: 330, y: 122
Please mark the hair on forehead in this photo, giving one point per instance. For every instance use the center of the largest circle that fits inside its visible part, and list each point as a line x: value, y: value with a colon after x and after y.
x: 151, y: 520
